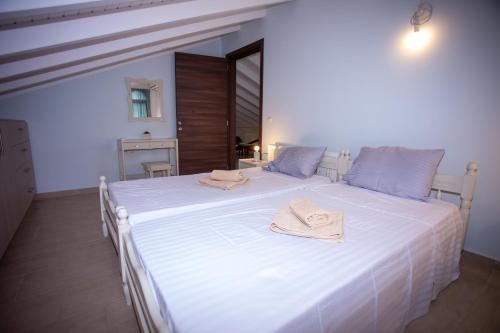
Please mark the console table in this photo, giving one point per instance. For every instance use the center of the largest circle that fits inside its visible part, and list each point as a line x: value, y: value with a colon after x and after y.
x: 125, y: 145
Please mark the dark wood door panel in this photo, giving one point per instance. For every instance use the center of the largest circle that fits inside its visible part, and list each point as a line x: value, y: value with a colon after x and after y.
x: 202, y: 112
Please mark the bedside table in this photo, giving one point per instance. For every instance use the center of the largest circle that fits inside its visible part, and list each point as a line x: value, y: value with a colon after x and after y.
x: 244, y: 163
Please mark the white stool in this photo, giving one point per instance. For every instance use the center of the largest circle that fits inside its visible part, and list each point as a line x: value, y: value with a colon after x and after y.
x: 151, y: 167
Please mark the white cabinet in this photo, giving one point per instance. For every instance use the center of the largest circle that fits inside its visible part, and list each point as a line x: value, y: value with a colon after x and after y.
x: 17, y: 178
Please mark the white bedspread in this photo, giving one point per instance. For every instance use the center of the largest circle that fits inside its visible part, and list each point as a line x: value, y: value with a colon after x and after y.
x: 152, y: 198
x: 223, y: 270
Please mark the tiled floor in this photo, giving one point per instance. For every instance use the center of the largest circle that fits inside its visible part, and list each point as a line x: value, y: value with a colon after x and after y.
x: 60, y: 275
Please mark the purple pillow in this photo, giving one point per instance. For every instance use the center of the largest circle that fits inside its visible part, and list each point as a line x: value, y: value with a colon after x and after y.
x: 300, y: 162
x: 406, y: 173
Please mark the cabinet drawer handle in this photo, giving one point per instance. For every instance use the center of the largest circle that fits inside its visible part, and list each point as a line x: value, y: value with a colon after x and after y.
x: 27, y: 170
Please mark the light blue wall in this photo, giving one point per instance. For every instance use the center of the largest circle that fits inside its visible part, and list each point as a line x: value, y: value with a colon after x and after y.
x: 334, y: 74
x: 74, y: 125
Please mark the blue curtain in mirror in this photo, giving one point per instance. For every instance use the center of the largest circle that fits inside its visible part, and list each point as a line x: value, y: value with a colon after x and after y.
x: 141, y: 103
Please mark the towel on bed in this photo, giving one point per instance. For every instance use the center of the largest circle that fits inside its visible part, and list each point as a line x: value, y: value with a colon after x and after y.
x: 286, y: 222
x: 227, y: 175
x: 222, y: 184
x: 310, y: 214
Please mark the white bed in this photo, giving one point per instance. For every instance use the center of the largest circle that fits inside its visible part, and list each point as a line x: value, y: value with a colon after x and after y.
x: 222, y: 270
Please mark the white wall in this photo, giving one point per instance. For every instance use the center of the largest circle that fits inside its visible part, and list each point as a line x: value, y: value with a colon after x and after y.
x: 74, y: 125
x: 335, y: 74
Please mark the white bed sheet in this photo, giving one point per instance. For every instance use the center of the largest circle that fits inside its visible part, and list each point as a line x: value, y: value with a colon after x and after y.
x: 152, y: 198
x: 223, y: 270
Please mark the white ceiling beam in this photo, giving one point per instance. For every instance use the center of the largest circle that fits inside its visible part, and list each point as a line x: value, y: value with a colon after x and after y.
x: 240, y: 88
x: 243, y: 93
x: 247, y: 84
x: 246, y: 113
x: 241, y: 114
x: 89, y: 53
x: 46, y: 78
x: 254, y: 59
x: 254, y: 68
x: 17, y: 41
x: 247, y: 105
x: 27, y: 8
x: 243, y: 69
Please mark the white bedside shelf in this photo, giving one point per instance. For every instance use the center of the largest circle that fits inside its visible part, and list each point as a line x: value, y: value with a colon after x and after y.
x: 244, y: 163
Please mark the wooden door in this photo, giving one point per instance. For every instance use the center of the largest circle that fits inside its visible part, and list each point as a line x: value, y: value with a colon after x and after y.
x: 201, y: 86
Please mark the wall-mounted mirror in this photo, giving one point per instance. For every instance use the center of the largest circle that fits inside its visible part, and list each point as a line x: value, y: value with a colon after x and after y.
x: 248, y: 119
x: 145, y: 100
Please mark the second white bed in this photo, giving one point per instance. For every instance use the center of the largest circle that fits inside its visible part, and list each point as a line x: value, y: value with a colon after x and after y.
x: 223, y: 270
x: 148, y: 199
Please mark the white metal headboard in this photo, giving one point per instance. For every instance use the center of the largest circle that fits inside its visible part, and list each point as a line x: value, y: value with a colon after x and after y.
x: 333, y: 165
x: 463, y: 186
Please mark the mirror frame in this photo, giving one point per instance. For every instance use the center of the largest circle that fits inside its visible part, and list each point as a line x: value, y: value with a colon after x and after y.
x: 144, y: 84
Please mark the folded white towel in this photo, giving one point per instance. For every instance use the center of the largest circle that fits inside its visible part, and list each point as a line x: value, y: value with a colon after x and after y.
x: 222, y: 184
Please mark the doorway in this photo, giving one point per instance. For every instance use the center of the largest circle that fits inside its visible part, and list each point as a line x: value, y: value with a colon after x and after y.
x: 245, y: 100
x: 202, y: 112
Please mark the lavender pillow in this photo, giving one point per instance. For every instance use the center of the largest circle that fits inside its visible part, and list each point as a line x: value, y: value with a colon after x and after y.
x: 300, y: 162
x: 406, y: 173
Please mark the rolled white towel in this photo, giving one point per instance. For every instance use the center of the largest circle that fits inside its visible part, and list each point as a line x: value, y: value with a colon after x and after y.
x: 310, y: 214
x: 227, y: 175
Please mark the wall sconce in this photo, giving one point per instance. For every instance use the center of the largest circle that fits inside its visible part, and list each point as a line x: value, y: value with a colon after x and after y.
x: 419, y: 38
x: 256, y: 154
x: 421, y: 16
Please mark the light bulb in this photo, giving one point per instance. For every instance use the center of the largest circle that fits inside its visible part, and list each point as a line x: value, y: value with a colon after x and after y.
x: 418, y: 39
x: 256, y: 148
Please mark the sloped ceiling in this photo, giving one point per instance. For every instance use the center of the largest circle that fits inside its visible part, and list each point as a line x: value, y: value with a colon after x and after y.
x: 42, y: 41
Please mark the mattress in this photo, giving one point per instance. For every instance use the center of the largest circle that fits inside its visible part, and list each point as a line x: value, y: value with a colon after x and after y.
x: 152, y: 198
x: 223, y: 270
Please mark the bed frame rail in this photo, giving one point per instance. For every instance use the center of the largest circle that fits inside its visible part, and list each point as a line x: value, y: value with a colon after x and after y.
x: 464, y: 186
x: 136, y: 287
